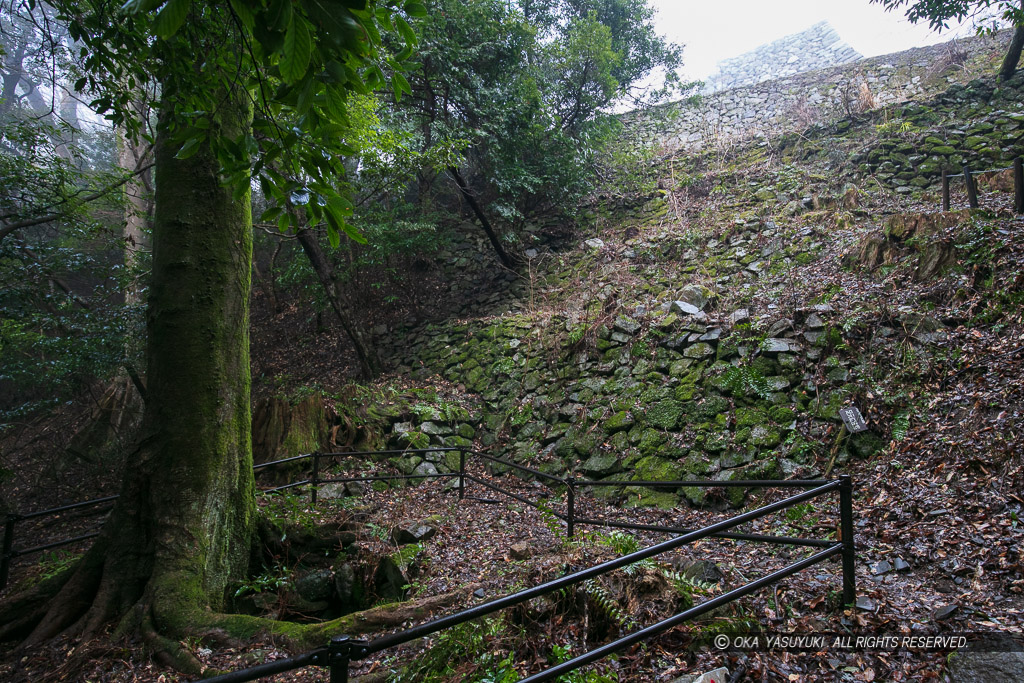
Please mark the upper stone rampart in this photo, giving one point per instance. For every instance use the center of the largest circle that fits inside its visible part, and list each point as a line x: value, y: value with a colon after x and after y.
x: 769, y: 108
x: 819, y: 47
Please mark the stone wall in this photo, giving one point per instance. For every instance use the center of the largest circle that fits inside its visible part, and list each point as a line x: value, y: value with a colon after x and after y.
x: 796, y: 102
x: 819, y: 47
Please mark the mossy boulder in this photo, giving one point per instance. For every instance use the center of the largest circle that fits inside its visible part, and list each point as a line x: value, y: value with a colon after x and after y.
x: 750, y: 417
x: 620, y: 421
x: 865, y: 444
x: 699, y: 464
x: 653, y: 468
x: 645, y: 498
x: 601, y: 465
x: 706, y: 410
x: 716, y: 442
x: 651, y: 441
x: 760, y: 470
x: 764, y: 436
x: 664, y: 414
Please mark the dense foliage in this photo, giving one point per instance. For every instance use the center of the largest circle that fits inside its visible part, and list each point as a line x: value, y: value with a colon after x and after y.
x: 529, y: 86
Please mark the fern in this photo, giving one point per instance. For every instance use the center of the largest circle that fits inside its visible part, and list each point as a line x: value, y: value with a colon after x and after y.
x: 901, y: 425
x: 607, y: 604
x: 688, y: 585
x: 741, y: 380
x: 619, y: 541
x: 551, y: 520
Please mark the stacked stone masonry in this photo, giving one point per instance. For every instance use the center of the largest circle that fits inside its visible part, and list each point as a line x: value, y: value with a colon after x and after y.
x: 819, y: 47
x: 797, y: 102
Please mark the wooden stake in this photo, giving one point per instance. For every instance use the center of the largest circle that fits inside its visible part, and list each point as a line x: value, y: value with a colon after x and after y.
x: 945, y: 190
x: 972, y: 189
x: 1018, y: 185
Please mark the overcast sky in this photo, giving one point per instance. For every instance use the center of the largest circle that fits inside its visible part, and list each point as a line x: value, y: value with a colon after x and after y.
x: 719, y: 29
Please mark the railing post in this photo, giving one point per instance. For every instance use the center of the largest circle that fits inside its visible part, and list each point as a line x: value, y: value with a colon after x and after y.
x: 340, y: 652
x: 5, y: 554
x: 315, y: 479
x: 846, y: 531
x: 1018, y: 185
x: 945, y: 190
x: 972, y: 188
x: 570, y: 507
x: 462, y: 474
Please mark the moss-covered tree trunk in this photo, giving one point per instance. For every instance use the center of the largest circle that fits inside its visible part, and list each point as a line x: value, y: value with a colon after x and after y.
x: 184, y: 524
x: 1012, y: 58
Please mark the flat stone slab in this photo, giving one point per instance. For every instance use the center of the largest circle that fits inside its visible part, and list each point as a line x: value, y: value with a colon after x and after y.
x: 779, y: 345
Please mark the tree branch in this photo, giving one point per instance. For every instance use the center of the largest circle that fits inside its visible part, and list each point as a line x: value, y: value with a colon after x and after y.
x: 47, y: 218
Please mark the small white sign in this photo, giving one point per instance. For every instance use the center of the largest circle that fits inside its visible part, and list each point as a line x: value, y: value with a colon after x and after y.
x: 853, y: 420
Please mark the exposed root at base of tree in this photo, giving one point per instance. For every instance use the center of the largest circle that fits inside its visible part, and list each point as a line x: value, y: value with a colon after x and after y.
x: 77, y: 604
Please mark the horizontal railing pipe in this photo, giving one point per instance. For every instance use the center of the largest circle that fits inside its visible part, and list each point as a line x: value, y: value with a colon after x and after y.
x: 361, y: 651
x: 759, y: 538
x: 316, y: 657
x: 522, y: 468
x: 17, y: 552
x: 286, y: 486
x: 296, y: 458
x: 521, y: 499
x: 65, y: 508
x: 991, y: 170
x: 704, y: 483
x: 404, y: 451
x: 388, y: 477
x: 662, y: 626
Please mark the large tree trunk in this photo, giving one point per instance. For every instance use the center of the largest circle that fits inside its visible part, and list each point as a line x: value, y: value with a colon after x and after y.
x: 184, y: 524
x: 368, y: 359
x: 1012, y: 57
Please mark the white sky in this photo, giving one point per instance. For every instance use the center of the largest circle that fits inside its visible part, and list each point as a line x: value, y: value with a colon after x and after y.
x: 719, y: 29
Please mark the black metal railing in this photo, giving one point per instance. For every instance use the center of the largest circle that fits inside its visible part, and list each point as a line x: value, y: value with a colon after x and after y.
x: 972, y: 185
x: 8, y: 552
x: 342, y: 650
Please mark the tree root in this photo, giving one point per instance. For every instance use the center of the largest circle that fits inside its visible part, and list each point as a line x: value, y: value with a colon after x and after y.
x: 65, y: 610
x: 167, y: 652
x: 20, y: 613
x: 307, y: 636
x: 82, y: 600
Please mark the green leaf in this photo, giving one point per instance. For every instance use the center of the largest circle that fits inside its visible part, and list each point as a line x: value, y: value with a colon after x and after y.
x: 284, y: 221
x: 271, y: 214
x: 305, y: 99
x: 296, y: 52
x: 407, y: 33
x: 170, y: 18
x: 415, y: 9
x: 404, y: 54
x: 400, y: 85
x: 333, y: 231
x: 189, y: 149
x: 337, y: 209
x: 244, y: 13
x: 278, y: 14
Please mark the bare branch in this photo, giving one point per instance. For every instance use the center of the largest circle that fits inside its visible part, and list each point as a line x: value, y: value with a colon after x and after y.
x: 29, y: 222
